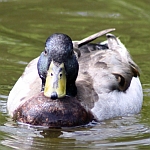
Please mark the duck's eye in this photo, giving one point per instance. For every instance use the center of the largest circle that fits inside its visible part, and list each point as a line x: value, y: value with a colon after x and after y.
x: 51, y: 74
x: 45, y: 52
x: 60, y: 75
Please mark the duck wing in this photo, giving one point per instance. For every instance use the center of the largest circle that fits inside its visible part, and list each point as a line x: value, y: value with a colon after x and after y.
x: 109, y: 79
x: 28, y: 85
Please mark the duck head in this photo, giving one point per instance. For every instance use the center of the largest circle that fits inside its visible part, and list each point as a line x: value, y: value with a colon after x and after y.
x: 58, y: 67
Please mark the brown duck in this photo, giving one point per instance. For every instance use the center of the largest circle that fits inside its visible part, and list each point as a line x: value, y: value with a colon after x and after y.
x: 58, y: 89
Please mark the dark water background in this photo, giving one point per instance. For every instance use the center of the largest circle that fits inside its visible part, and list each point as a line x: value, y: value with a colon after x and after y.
x: 24, y: 26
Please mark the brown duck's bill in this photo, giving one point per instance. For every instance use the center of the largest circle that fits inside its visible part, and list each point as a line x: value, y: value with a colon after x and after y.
x: 55, y: 86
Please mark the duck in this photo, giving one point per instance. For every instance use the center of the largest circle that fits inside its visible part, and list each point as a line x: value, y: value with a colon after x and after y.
x: 73, y: 83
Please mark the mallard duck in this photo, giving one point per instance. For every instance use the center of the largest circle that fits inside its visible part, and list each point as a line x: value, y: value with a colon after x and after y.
x: 72, y: 83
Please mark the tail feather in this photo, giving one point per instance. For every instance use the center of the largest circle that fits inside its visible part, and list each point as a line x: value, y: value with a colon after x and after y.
x: 115, y: 44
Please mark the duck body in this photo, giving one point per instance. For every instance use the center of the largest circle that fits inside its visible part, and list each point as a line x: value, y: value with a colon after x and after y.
x: 116, y: 89
x: 65, y: 112
x: 107, y: 86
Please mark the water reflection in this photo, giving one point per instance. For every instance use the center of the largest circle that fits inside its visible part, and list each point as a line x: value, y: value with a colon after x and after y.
x: 122, y: 132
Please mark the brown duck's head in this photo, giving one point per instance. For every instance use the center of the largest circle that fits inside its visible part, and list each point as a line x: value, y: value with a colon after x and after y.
x: 58, y: 67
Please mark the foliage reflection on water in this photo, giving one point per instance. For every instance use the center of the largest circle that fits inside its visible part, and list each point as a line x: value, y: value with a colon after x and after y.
x: 24, y: 26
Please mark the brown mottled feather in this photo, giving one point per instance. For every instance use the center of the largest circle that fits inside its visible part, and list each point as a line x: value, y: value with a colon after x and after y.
x: 65, y: 112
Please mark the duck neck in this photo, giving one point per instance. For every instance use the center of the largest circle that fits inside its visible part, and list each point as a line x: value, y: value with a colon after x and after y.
x: 71, y: 89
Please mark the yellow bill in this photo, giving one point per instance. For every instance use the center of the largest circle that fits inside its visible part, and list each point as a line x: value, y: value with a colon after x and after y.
x: 55, y: 86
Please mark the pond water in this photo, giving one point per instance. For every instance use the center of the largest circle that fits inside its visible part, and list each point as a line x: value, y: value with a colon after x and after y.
x: 24, y: 26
